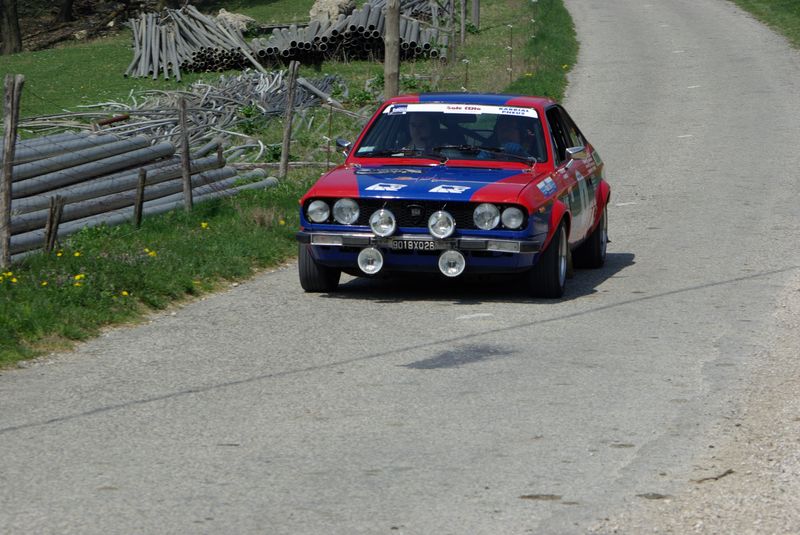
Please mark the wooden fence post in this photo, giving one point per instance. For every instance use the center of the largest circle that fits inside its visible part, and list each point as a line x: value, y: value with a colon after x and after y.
x: 53, y: 221
x: 188, y: 203
x: 463, y: 16
x: 13, y: 91
x: 138, y: 207
x: 391, y: 44
x: 287, y: 124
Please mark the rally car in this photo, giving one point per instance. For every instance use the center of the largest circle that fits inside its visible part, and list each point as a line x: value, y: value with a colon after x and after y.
x: 459, y: 183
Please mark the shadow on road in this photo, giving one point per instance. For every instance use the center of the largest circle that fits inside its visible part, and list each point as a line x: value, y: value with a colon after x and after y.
x: 472, y: 289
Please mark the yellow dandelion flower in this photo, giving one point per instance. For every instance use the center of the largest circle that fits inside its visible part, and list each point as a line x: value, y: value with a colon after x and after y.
x: 79, y: 276
x: 203, y: 225
x: 151, y: 253
x: 13, y: 279
x: 44, y: 283
x: 60, y: 253
x: 146, y: 250
x: 8, y: 274
x: 124, y: 293
x: 76, y: 253
x: 564, y: 66
x: 281, y: 222
x: 78, y: 284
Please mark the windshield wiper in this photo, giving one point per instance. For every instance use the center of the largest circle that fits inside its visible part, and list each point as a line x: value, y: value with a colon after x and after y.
x: 474, y: 149
x: 414, y: 153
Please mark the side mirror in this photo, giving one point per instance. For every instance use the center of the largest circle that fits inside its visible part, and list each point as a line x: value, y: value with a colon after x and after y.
x: 344, y: 145
x: 576, y: 153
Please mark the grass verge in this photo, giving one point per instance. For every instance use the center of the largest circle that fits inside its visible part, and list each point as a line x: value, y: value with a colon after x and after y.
x: 108, y: 276
x: 781, y: 15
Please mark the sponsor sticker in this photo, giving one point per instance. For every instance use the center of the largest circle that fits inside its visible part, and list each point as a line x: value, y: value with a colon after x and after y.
x: 449, y: 189
x: 386, y: 171
x: 578, y: 176
x: 398, y: 109
x: 547, y: 187
x: 386, y: 187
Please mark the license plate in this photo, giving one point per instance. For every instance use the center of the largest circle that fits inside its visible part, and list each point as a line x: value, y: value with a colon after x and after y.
x: 414, y: 245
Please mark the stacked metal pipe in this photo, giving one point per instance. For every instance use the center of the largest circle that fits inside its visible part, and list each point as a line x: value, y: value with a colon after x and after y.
x: 185, y: 39
x: 98, y: 174
x: 355, y: 36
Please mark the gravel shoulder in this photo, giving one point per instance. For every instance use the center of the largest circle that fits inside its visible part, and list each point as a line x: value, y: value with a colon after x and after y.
x: 749, y: 481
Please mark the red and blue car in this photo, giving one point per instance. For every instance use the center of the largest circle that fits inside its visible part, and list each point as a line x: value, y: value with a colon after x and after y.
x: 459, y: 183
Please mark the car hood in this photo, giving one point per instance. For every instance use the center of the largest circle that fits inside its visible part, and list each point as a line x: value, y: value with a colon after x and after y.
x: 437, y: 182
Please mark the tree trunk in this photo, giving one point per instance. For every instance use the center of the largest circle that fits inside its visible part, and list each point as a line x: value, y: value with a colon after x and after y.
x: 9, y: 27
x: 391, y: 59
x: 65, y: 13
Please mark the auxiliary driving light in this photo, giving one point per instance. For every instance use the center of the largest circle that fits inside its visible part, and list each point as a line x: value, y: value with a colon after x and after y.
x: 441, y: 224
x: 452, y: 263
x: 383, y: 223
x: 370, y: 260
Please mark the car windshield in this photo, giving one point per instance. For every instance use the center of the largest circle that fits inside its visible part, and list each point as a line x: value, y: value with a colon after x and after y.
x: 458, y: 131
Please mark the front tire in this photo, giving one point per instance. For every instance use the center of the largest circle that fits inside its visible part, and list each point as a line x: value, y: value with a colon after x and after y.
x: 592, y: 252
x: 313, y: 276
x: 548, y: 277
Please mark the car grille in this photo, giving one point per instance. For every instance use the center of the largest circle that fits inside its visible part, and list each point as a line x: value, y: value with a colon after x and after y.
x: 416, y: 213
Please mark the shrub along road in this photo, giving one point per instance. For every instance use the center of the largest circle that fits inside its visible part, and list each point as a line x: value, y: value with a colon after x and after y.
x: 457, y: 408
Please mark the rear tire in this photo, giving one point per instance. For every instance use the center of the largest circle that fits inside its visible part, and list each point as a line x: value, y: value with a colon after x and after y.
x: 548, y: 277
x: 313, y: 276
x: 592, y: 252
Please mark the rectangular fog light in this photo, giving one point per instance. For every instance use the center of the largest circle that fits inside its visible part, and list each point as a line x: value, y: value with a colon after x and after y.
x: 325, y: 239
x: 503, y: 246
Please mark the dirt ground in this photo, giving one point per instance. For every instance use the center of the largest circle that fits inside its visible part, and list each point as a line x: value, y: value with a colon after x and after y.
x: 750, y: 484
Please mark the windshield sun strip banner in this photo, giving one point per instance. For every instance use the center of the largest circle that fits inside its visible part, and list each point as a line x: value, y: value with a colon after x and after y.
x: 478, y: 109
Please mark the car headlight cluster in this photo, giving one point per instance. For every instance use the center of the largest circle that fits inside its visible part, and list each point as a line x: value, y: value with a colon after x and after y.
x: 345, y: 211
x: 487, y: 216
x: 441, y: 223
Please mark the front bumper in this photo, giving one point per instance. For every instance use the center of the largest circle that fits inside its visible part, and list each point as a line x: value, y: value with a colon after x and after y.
x: 483, y: 255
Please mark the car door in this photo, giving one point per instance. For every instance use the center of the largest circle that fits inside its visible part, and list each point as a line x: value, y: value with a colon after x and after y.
x: 580, y: 195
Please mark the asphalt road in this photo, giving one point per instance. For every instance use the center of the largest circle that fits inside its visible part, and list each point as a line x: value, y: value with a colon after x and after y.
x: 426, y: 408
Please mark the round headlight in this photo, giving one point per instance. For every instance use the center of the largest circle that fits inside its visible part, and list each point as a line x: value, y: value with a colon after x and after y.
x: 383, y: 223
x: 441, y: 224
x: 345, y: 211
x: 486, y: 216
x: 318, y: 211
x: 513, y: 218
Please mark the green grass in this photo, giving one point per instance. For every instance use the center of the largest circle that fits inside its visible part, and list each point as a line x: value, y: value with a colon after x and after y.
x: 782, y: 15
x: 118, y: 276
x: 109, y: 275
x: 79, y: 74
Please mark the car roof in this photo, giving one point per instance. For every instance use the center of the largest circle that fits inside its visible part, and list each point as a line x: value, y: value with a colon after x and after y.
x: 489, y: 99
